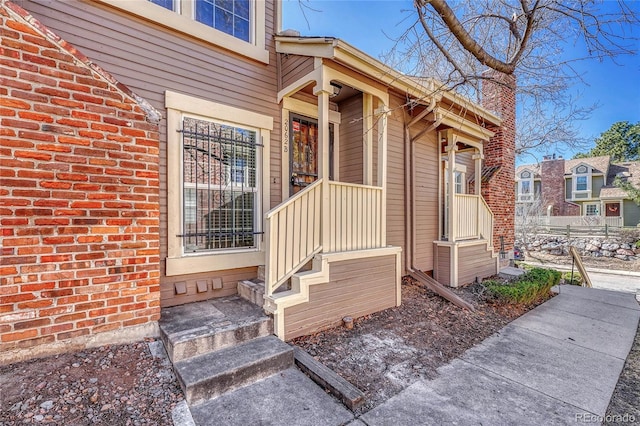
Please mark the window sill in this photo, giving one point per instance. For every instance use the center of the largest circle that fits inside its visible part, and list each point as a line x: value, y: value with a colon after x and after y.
x: 183, y: 24
x: 213, y: 262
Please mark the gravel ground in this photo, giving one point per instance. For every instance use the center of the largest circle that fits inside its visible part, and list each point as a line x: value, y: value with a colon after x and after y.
x: 387, y: 351
x: 110, y: 385
x: 626, y: 397
x: 384, y: 353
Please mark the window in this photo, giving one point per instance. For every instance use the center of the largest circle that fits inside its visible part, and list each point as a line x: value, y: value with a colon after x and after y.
x: 217, y: 185
x: 236, y: 25
x: 525, y: 186
x: 167, y: 4
x: 591, y: 210
x: 581, y: 182
x: 459, y: 183
x: 229, y: 16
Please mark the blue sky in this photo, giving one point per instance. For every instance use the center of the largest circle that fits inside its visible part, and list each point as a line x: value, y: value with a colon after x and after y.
x: 368, y: 24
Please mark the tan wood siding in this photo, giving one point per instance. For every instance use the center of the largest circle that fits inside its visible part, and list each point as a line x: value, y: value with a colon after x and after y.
x: 443, y: 264
x: 229, y: 279
x: 295, y: 67
x: 356, y: 288
x: 351, y: 140
x: 474, y: 261
x: 426, y: 198
x: 150, y: 59
x: 395, y: 176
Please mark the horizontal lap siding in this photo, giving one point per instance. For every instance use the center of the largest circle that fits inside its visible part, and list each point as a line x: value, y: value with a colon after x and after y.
x: 443, y: 261
x: 350, y: 149
x: 395, y: 177
x: 356, y: 288
x: 426, y: 198
x: 474, y: 261
x: 295, y: 67
x: 150, y: 59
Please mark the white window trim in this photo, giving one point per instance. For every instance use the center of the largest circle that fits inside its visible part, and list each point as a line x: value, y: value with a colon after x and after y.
x: 525, y: 198
x: 182, y: 21
x: 598, y: 207
x: 177, y: 105
x: 574, y: 183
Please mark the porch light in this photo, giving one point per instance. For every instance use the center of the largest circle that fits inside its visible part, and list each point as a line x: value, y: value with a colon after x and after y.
x: 336, y: 89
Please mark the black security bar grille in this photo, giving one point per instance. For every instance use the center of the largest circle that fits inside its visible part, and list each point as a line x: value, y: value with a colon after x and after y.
x: 219, y: 186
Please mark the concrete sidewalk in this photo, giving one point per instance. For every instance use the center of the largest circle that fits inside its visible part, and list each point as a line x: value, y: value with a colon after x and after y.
x: 557, y: 364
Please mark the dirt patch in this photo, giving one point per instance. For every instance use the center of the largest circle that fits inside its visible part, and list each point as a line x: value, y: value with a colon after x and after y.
x: 388, y: 351
x: 610, y: 263
x: 109, y: 385
x: 626, y: 397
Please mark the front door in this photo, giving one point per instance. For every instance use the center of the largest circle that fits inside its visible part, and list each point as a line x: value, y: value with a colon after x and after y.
x: 303, y: 161
x: 612, y: 209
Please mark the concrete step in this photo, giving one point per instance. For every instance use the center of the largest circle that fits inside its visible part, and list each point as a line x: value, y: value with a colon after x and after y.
x: 252, y: 291
x: 198, y: 328
x: 208, y: 376
x: 286, y: 398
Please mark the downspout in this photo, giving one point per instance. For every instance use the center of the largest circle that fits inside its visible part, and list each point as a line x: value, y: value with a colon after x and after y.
x: 409, y: 186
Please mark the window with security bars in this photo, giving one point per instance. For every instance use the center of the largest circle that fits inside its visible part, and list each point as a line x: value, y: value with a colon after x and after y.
x: 220, y: 196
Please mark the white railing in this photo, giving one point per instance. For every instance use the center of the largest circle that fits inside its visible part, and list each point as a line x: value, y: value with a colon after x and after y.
x: 473, y: 218
x: 466, y: 217
x: 562, y: 221
x: 355, y: 218
x: 292, y: 235
x: 485, y: 221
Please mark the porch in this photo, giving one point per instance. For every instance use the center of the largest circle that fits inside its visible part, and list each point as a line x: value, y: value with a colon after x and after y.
x: 466, y: 251
x: 326, y: 249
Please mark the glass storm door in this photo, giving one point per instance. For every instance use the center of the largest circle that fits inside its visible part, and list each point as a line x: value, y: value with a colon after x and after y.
x: 303, y: 161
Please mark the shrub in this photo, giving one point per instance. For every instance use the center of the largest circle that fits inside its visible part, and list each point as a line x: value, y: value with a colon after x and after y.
x: 529, y: 287
x: 577, y: 278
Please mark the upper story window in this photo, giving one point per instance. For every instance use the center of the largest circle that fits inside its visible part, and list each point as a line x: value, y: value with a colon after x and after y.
x: 229, y: 16
x: 581, y: 182
x: 238, y: 26
x: 525, y: 186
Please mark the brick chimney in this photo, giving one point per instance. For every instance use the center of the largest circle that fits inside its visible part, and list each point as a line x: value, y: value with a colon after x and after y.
x: 499, y: 96
x: 552, y: 192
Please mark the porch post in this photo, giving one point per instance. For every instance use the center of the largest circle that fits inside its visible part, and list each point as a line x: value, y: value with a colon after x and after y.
x: 478, y: 183
x: 478, y: 163
x: 367, y: 142
x: 322, y: 93
x: 451, y: 150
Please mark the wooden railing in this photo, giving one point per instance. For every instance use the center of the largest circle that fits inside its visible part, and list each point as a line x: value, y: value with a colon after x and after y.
x: 473, y: 218
x: 292, y: 235
x: 485, y: 221
x: 562, y: 221
x: 355, y: 218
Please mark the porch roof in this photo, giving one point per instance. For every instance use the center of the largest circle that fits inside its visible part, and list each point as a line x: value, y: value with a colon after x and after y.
x: 422, y: 89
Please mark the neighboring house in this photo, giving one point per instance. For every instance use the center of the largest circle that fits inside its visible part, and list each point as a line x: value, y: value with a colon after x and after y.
x: 579, y: 187
x: 271, y: 150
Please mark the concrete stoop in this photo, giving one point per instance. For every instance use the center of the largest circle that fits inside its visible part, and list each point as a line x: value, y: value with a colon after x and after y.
x: 221, y: 345
x: 210, y: 375
x: 224, y: 349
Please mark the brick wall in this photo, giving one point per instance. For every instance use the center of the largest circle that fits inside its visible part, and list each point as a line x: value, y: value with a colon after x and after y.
x: 552, y: 191
x: 79, y: 208
x: 498, y: 95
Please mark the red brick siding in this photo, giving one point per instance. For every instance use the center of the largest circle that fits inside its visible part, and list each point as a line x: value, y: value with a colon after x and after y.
x: 498, y: 95
x: 552, y: 189
x: 79, y: 208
